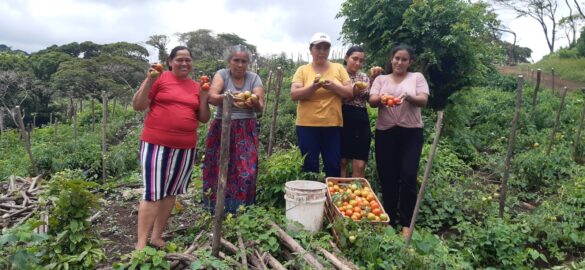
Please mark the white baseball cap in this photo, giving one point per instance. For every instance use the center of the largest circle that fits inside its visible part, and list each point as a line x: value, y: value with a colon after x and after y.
x: 320, y: 37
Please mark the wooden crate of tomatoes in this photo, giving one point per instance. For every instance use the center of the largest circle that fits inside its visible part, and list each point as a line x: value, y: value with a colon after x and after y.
x: 353, y: 198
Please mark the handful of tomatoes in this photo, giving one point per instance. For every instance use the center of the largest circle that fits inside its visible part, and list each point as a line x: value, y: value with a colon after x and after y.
x: 390, y: 100
x: 204, y: 80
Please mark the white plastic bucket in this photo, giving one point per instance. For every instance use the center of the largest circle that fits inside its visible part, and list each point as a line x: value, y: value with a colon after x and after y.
x: 305, y: 203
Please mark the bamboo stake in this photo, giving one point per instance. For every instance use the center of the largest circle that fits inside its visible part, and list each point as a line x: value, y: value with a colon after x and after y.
x: 557, y: 122
x: 290, y: 243
x: 578, y: 133
x: 226, y: 120
x: 534, y: 97
x: 275, y: 111
x: 511, y: 139
x: 26, y: 140
x: 421, y: 191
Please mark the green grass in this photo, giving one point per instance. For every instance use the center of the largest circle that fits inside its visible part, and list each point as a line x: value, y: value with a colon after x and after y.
x: 566, y: 68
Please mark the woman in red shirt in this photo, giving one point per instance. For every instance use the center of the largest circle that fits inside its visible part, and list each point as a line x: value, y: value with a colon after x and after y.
x: 169, y: 137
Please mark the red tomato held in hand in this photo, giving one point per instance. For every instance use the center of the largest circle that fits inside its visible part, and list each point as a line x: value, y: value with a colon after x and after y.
x: 153, y: 74
x: 204, y: 79
x: 397, y: 101
x: 158, y: 67
x: 205, y: 86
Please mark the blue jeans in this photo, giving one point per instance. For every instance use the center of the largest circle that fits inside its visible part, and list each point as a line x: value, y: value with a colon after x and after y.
x: 324, y: 141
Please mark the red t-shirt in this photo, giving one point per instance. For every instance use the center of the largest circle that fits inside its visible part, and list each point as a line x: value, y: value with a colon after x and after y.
x: 171, y: 120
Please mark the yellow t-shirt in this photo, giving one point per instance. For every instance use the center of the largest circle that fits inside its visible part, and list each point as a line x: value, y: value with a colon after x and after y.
x: 323, y: 108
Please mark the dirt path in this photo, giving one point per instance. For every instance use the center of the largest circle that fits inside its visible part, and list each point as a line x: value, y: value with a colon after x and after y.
x: 117, y: 225
x: 546, y: 79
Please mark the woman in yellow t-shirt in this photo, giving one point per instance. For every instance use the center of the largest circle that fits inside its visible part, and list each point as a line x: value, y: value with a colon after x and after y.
x: 319, y: 88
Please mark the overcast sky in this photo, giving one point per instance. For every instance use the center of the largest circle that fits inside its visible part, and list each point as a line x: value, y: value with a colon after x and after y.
x: 273, y: 26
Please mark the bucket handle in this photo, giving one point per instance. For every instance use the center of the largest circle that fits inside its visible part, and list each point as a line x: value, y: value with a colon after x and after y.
x: 298, y: 200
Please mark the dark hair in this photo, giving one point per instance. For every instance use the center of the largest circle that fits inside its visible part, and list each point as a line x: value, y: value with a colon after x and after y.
x: 401, y: 47
x: 174, y: 54
x: 351, y: 50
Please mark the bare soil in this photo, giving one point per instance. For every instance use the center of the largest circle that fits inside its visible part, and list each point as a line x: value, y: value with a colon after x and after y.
x: 117, y: 224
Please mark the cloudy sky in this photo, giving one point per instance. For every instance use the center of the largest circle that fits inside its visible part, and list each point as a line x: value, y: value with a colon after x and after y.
x: 273, y: 26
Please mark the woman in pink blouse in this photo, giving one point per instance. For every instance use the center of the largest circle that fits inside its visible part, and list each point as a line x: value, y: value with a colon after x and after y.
x: 399, y: 135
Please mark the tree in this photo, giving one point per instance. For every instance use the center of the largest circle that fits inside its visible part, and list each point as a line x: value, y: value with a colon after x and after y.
x: 515, y: 53
x: 160, y: 42
x: 202, y: 44
x: 454, y: 40
x: 578, y: 6
x: 45, y: 64
x: 125, y: 49
x: 232, y: 39
x: 542, y: 11
x: 15, y: 88
x: 372, y: 25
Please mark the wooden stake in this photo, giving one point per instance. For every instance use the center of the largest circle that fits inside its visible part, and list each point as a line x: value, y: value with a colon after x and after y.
x: 552, y: 70
x: 421, y: 191
x: 578, y: 133
x: 104, y: 130
x: 534, y: 97
x: 74, y: 120
x: 224, y: 154
x: 92, y: 114
x: 274, y: 111
x: 295, y: 247
x: 267, y: 92
x: 557, y: 122
x: 504, y: 186
x: 243, y: 253
x: 26, y: 138
x: 338, y: 263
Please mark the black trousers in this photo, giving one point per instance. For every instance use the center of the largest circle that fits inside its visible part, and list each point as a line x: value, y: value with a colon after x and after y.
x: 398, y: 152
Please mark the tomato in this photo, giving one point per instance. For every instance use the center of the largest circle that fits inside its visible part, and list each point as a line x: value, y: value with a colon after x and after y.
x: 390, y: 102
x: 376, y: 211
x: 348, y: 212
x: 154, y: 74
x: 374, y: 204
x: 205, y: 86
x: 371, y: 216
x: 370, y: 197
x: 384, y: 217
x: 357, y: 209
x: 352, y: 239
x: 397, y: 101
x: 158, y: 67
x: 331, y: 190
x: 204, y: 79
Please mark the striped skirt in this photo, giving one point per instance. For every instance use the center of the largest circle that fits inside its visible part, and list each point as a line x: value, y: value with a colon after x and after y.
x: 165, y: 171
